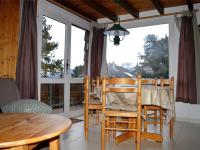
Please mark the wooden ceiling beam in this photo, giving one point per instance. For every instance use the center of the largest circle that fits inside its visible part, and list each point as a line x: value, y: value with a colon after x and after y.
x: 190, y: 4
x: 129, y: 8
x: 73, y: 9
x: 101, y: 9
x: 158, y: 6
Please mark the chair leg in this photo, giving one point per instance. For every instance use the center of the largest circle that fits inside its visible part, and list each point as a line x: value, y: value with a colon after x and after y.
x: 97, y: 116
x: 107, y: 131
x: 86, y: 122
x: 171, y: 128
x: 103, y: 134
x: 138, y: 134
x: 155, y: 117
x: 161, y: 120
x: 145, y: 119
x: 114, y: 126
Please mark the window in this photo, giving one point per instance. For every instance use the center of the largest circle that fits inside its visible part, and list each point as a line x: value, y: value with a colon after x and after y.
x: 144, y: 51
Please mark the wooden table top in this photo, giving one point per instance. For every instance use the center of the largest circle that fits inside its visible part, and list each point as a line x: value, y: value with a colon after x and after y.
x: 25, y: 128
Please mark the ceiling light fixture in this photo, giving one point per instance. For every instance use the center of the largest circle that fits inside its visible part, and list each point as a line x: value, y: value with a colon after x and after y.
x: 116, y: 30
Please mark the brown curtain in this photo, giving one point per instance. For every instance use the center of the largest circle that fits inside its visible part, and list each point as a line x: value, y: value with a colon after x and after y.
x: 86, y: 51
x: 186, y: 77
x: 26, y: 71
x: 96, y: 52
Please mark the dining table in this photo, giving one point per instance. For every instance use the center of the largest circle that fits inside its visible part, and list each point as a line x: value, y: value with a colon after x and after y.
x: 24, y: 131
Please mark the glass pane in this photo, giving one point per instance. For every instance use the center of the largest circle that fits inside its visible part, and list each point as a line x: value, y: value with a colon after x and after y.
x: 53, y: 95
x: 144, y: 51
x: 53, y: 42
x: 77, y: 52
x: 76, y: 96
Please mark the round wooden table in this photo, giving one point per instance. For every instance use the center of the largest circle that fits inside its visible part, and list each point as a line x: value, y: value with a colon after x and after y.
x: 24, y: 131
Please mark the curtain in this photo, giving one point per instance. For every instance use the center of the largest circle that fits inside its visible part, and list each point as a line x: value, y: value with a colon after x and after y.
x: 186, y: 76
x: 197, y: 55
x: 86, y: 51
x: 104, y: 66
x: 26, y: 69
x: 96, y: 52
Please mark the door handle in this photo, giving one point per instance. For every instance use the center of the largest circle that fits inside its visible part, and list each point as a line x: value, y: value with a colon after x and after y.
x: 67, y: 66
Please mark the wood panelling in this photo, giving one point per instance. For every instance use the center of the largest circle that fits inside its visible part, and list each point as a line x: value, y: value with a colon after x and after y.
x: 9, y: 29
x: 85, y: 10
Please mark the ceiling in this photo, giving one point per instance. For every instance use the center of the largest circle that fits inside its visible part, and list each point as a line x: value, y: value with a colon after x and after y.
x: 96, y: 9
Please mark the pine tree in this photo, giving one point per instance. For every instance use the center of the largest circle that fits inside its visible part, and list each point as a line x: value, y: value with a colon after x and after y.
x: 155, y: 56
x: 49, y: 65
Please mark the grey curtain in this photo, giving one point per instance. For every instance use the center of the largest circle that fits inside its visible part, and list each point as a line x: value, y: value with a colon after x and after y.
x: 197, y: 55
x: 104, y: 66
x: 26, y: 69
x: 86, y: 51
x: 186, y: 76
x: 96, y: 52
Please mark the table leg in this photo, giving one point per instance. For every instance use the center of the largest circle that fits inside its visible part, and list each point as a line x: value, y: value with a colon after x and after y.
x: 54, y: 144
x: 171, y: 127
x: 24, y: 147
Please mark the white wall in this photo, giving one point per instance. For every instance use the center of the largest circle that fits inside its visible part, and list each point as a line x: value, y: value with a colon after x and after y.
x: 184, y: 112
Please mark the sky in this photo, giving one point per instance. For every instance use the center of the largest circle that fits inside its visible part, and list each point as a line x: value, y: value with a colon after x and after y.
x: 126, y: 52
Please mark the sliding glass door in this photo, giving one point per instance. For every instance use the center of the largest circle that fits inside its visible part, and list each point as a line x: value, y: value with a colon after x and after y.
x: 54, y: 75
x: 79, y: 52
x: 62, y: 51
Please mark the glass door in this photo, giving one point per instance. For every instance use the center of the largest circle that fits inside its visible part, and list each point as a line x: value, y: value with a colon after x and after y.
x: 61, y: 50
x: 54, y: 76
x: 79, y: 47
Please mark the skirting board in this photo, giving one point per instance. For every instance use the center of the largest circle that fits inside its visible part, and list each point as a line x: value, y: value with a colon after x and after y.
x: 191, y: 120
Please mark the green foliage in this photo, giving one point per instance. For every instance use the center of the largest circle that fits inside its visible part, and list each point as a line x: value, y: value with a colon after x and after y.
x: 50, y: 66
x: 78, y: 72
x: 154, y: 61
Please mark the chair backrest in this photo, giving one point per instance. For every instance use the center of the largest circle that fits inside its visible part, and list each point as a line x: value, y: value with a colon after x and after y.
x: 95, y: 87
x: 8, y: 91
x: 121, y: 85
x: 168, y: 83
x: 95, y: 83
x: 150, y: 82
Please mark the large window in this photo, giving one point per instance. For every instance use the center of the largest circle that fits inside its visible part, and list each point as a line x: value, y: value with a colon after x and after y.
x: 144, y: 51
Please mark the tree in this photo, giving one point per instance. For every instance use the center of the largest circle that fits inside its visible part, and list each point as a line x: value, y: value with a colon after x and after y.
x: 78, y: 72
x: 49, y: 64
x: 155, y: 57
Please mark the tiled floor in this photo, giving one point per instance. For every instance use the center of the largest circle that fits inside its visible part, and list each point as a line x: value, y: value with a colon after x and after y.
x: 186, y: 137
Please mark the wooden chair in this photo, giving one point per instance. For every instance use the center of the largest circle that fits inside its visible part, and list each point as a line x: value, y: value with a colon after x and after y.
x: 170, y: 84
x: 94, y: 100
x: 153, y: 116
x: 133, y: 116
x: 158, y: 117
x: 91, y: 102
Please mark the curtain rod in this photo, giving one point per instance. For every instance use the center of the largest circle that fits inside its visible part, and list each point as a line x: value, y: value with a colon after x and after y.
x: 148, y: 17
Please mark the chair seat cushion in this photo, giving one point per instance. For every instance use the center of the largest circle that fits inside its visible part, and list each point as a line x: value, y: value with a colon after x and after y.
x: 94, y: 101
x: 26, y: 106
x: 115, y: 106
